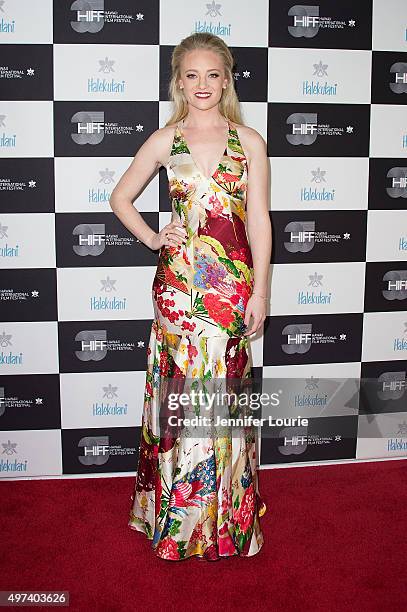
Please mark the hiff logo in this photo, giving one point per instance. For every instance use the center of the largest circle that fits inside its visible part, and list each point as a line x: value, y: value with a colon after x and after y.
x: 399, y: 85
x: 93, y: 344
x: 89, y: 16
x: 392, y: 385
x: 304, y: 128
x: 302, y: 236
x: 295, y: 440
x: 96, y: 450
x: 91, y: 239
x: 396, y: 283
x: 90, y: 127
x: 299, y: 338
x: 398, y: 187
x: 305, y: 21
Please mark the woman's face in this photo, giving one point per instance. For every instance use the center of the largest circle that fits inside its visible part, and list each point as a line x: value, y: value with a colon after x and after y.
x: 202, y: 72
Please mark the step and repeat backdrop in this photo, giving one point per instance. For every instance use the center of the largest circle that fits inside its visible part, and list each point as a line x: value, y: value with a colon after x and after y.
x: 83, y: 84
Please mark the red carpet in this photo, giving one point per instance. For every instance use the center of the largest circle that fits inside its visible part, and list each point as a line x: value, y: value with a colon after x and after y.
x: 334, y: 541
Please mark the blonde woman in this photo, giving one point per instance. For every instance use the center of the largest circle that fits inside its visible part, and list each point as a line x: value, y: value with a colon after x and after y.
x: 199, y: 495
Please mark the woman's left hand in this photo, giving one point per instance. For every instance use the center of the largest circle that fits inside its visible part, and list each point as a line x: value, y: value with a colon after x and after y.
x: 256, y: 307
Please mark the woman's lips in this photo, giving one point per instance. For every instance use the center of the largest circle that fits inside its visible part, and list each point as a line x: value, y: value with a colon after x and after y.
x: 202, y: 95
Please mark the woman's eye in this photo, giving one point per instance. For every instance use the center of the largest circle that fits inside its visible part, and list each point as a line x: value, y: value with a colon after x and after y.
x: 212, y: 74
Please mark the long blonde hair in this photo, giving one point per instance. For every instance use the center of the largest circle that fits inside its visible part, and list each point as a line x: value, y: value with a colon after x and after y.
x: 229, y: 105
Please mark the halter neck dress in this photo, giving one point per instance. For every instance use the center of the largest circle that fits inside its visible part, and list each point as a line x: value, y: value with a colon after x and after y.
x: 199, y: 496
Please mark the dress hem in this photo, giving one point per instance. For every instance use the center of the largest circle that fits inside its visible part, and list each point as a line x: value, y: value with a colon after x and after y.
x: 196, y: 555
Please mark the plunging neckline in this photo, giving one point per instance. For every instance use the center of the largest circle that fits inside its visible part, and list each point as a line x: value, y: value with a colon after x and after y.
x: 224, y: 152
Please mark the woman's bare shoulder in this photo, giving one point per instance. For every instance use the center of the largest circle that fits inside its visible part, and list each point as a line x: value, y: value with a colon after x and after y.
x: 161, y: 140
x: 252, y: 141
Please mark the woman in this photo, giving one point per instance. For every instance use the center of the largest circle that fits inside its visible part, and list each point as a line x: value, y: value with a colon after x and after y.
x: 198, y: 495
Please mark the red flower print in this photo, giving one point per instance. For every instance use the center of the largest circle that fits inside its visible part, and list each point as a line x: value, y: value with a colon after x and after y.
x: 163, y: 305
x: 220, y: 312
x: 186, y: 494
x: 173, y: 249
x: 166, y: 276
x: 226, y: 176
x: 230, y: 178
x: 177, y: 372
x: 217, y: 208
x: 211, y: 552
x: 188, y: 326
x: 226, y: 500
x: 158, y: 492
x: 241, y: 255
x: 168, y: 548
x: 244, y: 515
x: 164, y: 365
x: 237, y: 158
x: 198, y: 535
x: 242, y: 293
x: 192, y: 352
x: 226, y: 545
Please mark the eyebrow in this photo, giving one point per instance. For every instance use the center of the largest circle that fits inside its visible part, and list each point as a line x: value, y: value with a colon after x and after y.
x: 196, y: 70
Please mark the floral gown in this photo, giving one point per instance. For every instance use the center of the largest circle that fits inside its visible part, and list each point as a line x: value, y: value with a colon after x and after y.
x: 199, y: 496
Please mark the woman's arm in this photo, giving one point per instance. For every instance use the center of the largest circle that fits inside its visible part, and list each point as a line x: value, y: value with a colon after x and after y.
x: 258, y: 217
x: 145, y: 163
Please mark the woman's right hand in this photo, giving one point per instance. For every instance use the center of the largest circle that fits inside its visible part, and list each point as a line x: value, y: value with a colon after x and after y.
x: 172, y: 234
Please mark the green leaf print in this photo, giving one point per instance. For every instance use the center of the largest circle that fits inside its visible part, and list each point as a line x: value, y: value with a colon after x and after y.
x: 194, y: 400
x: 149, y: 379
x: 242, y: 540
x: 179, y: 146
x: 167, y: 258
x: 182, y: 548
x: 207, y: 376
x: 174, y: 529
x: 163, y: 511
x: 215, y: 244
x: 198, y: 306
x: 194, y: 385
x: 240, y: 265
x: 234, y: 142
x: 179, y: 206
x: 204, y: 352
x: 239, y: 321
x: 145, y: 525
x: 229, y: 264
x: 181, y: 278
